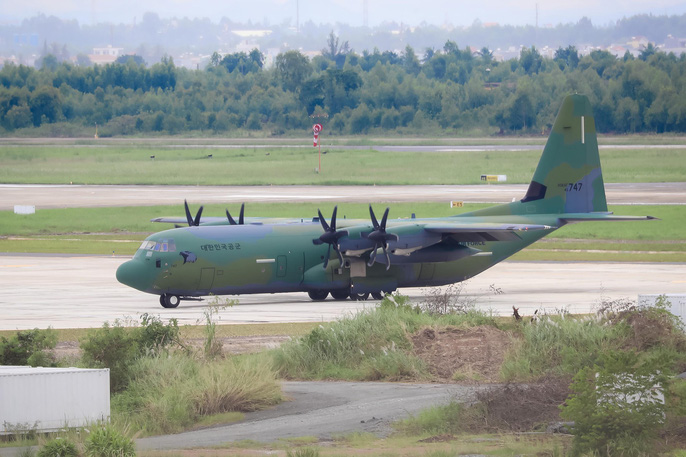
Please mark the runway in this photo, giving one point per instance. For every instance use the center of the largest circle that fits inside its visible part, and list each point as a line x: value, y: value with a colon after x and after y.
x: 63, y: 196
x: 61, y: 291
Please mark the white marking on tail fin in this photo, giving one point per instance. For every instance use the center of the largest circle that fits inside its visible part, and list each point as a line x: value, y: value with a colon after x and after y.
x: 583, y: 133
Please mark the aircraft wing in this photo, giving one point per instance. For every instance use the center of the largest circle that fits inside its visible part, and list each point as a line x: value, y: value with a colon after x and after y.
x: 184, y: 221
x: 483, y: 231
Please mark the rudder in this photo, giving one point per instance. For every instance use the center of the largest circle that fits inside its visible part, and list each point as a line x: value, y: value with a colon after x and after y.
x: 568, y: 178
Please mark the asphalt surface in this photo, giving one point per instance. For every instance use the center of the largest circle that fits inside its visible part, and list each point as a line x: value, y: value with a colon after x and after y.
x: 82, y: 292
x: 323, y: 410
x: 63, y: 196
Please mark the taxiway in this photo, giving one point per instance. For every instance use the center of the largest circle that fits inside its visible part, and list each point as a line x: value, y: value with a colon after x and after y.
x: 60, y: 291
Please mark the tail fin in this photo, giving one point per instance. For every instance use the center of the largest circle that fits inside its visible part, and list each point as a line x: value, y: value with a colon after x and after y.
x: 568, y: 178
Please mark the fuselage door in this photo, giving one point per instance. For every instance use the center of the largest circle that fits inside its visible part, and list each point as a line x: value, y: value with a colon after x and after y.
x: 281, y: 266
x: 206, y: 279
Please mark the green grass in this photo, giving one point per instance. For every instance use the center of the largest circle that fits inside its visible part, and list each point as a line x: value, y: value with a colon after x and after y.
x: 124, y: 164
x: 121, y: 229
x: 369, y: 346
x: 168, y: 394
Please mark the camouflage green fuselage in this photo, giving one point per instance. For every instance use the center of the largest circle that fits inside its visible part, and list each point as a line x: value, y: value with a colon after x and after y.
x: 255, y: 258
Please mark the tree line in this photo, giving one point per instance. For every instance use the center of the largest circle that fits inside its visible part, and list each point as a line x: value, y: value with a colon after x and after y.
x: 440, y: 92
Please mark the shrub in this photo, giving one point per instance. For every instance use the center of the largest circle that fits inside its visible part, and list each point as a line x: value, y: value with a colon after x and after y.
x: 28, y: 347
x: 171, y: 392
x: 558, y: 346
x: 113, y: 347
x: 58, y: 447
x: 371, y: 345
x: 614, y: 406
x: 116, y: 347
x: 109, y: 442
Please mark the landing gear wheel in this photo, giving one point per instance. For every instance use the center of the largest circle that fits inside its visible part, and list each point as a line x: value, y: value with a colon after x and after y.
x: 169, y: 301
x: 377, y: 295
x: 359, y: 297
x: 340, y: 294
x: 318, y: 295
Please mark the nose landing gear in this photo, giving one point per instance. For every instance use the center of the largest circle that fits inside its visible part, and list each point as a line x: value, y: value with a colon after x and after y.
x: 169, y: 301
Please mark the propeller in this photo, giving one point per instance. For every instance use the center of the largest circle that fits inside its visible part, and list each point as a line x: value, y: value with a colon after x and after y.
x: 232, y: 221
x: 192, y: 222
x: 380, y: 237
x: 330, y: 236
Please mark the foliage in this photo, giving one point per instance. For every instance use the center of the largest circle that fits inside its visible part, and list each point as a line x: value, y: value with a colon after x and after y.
x: 169, y: 393
x: 371, y: 345
x: 451, y: 90
x: 107, y: 441
x: 212, y: 346
x: 59, y: 447
x: 303, y: 452
x: 115, y: 346
x: 29, y: 347
x: 616, y: 405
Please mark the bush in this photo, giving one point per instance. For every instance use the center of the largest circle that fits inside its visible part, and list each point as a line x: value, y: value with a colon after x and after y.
x: 169, y: 393
x: 371, y: 345
x: 615, y: 407
x: 108, y: 442
x: 113, y: 347
x: 58, y: 447
x: 559, y: 346
x: 29, y: 347
x: 116, y: 347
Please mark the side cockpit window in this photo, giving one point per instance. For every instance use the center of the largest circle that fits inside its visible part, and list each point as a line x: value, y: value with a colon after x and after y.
x: 158, y: 246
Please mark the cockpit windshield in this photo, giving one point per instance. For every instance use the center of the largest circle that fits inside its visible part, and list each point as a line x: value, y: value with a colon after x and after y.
x: 158, y: 246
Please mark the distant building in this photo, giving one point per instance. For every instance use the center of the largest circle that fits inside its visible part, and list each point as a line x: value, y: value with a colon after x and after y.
x: 105, y: 55
x: 675, y: 45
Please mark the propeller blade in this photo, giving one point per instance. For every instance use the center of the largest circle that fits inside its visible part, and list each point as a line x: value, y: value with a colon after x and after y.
x: 375, y: 223
x: 322, y: 221
x: 189, y: 218
x: 388, y: 259
x: 372, y: 257
x: 232, y: 221
x: 330, y: 236
x: 192, y: 222
x: 328, y: 254
x: 333, y: 218
x: 383, y: 219
x: 196, y: 221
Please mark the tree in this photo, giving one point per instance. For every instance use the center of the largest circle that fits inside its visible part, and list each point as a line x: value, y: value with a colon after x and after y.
x: 18, y: 117
x: 132, y: 58
x: 49, y: 63
x: 45, y: 103
x: 410, y: 61
x: 567, y: 57
x: 648, y: 51
x: 334, y: 51
x: 530, y: 60
x: 292, y: 68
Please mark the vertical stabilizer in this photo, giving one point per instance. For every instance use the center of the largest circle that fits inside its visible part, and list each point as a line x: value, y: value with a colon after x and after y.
x: 568, y: 178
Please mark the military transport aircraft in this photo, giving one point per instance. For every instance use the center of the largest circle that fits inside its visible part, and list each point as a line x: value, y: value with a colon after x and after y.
x: 256, y: 255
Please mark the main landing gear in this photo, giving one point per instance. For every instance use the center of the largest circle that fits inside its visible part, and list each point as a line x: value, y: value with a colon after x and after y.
x: 342, y: 294
x: 169, y: 301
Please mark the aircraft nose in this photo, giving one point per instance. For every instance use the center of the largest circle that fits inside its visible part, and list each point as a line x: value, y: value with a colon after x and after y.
x: 133, y: 274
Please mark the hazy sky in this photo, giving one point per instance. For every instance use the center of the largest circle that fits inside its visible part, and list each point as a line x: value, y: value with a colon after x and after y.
x: 411, y: 12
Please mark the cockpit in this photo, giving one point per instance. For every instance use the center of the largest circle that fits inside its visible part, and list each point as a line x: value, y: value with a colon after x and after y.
x: 151, y: 246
